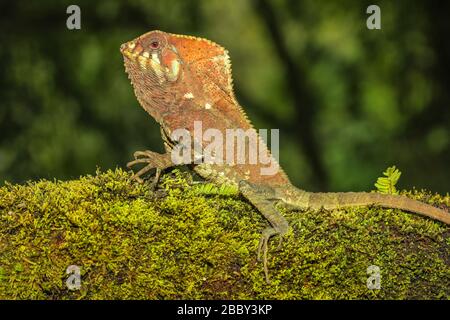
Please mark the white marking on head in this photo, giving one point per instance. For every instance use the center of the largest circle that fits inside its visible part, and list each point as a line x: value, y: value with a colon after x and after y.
x: 188, y: 95
x: 207, y: 106
x: 155, y: 58
x: 146, y: 54
x: 157, y: 69
x: 175, y: 68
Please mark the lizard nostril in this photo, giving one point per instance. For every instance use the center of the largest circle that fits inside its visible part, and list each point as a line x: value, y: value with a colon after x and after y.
x: 127, y: 47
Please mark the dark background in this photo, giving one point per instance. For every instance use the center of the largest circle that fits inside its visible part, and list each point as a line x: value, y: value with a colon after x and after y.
x: 349, y: 101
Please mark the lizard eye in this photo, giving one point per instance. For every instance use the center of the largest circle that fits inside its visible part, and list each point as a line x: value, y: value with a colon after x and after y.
x: 154, y: 44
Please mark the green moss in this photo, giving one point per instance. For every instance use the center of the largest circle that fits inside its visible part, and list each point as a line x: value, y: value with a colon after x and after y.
x: 177, y: 242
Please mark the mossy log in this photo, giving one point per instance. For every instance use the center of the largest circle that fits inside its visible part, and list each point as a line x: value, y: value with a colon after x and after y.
x: 179, y: 242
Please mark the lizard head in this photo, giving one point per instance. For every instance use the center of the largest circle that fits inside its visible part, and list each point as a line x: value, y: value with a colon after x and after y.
x: 154, y: 55
x: 165, y: 67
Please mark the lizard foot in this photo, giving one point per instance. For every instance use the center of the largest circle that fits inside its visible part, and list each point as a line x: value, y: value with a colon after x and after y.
x: 153, y: 160
x: 264, y: 198
x: 263, y: 247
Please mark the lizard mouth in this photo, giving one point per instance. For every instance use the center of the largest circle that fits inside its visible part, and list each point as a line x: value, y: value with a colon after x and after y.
x: 131, y: 50
x: 151, y: 60
x: 134, y: 53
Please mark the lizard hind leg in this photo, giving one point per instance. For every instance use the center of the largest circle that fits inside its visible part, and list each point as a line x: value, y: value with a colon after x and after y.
x: 262, y: 197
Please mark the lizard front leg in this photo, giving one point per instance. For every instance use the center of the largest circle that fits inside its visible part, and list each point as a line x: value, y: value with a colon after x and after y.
x: 154, y: 160
x: 263, y: 198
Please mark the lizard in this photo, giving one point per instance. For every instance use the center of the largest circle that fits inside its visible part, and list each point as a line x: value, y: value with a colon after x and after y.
x: 180, y: 79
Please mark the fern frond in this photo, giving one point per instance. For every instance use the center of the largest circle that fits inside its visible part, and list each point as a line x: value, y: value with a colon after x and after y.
x: 387, y: 184
x: 212, y: 189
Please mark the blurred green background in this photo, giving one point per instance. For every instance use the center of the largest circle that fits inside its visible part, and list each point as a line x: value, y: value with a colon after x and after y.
x: 349, y: 101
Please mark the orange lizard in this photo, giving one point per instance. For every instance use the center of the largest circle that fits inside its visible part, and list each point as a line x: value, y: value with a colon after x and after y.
x: 181, y: 79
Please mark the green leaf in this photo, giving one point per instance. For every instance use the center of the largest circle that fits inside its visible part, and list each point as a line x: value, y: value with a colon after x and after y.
x: 387, y: 184
x: 212, y: 189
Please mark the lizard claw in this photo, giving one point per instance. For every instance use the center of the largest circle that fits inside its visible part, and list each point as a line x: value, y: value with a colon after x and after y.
x: 263, y: 247
x: 137, y: 175
x: 155, y: 181
x: 153, y: 160
x: 154, y: 184
x: 144, y: 154
x: 280, y: 241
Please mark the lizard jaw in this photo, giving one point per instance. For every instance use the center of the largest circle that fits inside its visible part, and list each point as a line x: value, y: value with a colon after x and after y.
x: 134, y: 51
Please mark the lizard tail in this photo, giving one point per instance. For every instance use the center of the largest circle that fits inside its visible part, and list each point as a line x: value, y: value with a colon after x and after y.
x: 352, y: 199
